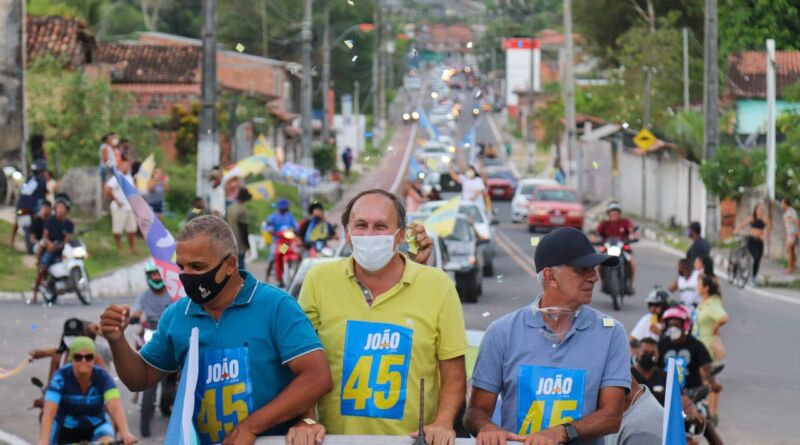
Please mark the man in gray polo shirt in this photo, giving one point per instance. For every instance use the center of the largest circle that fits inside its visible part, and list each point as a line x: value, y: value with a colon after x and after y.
x: 561, y: 367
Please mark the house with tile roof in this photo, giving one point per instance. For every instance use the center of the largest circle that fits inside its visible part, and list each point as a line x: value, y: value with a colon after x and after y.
x: 746, y: 87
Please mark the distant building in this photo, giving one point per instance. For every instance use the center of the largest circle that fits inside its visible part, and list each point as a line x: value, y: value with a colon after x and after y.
x: 746, y: 87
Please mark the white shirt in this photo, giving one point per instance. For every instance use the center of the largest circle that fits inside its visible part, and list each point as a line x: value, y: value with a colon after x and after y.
x: 471, y: 189
x: 119, y: 195
x: 112, y: 158
x: 687, y: 288
x: 642, y: 328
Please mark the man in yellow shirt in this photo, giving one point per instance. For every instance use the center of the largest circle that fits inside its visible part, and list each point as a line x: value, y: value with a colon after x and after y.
x: 386, y: 322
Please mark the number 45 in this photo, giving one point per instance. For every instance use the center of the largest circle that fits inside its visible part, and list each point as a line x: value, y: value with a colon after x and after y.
x: 533, y: 420
x: 207, y: 420
x: 357, y: 387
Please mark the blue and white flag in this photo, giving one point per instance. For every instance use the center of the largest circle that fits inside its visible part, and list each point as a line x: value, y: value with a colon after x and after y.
x: 673, y: 432
x: 181, y: 430
x: 425, y: 123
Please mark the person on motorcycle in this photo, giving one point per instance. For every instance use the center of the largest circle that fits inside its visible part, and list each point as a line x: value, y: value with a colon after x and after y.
x: 623, y: 229
x: 650, y: 325
x: 58, y: 231
x: 315, y: 229
x: 686, y: 283
x: 694, y: 361
x: 277, y: 223
x: 76, y: 401
x: 147, y: 309
x: 36, y: 232
x: 31, y: 195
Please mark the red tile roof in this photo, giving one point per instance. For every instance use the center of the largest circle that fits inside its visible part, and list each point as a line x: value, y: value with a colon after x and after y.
x: 151, y: 63
x: 65, y: 38
x: 747, y: 76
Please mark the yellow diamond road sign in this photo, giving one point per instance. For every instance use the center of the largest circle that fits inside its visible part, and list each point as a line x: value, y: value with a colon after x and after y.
x: 644, y: 139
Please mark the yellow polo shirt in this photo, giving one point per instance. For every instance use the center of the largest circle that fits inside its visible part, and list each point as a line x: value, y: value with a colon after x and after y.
x: 379, y: 354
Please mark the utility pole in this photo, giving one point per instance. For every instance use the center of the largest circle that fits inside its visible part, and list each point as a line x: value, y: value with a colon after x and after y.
x: 305, y: 94
x: 326, y: 73
x: 376, y: 59
x: 569, y: 96
x: 530, y: 138
x: 711, y: 109
x: 357, y: 112
x: 207, y: 140
x: 382, y: 72
x: 685, y: 68
x: 648, y: 78
x: 771, y: 119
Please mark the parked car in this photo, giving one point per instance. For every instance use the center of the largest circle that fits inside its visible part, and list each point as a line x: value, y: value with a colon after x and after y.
x: 523, y: 194
x: 481, y: 222
x: 466, y: 261
x: 555, y: 206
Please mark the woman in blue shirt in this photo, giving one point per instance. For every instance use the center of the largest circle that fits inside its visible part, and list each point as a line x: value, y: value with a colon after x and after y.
x: 75, y: 401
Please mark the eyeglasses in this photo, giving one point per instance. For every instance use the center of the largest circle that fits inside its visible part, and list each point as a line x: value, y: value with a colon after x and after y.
x: 83, y: 357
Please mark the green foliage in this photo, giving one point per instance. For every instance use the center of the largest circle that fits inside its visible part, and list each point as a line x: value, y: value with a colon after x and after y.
x: 549, y: 117
x: 121, y: 19
x: 787, y: 173
x: 745, y: 24
x: 685, y: 129
x: 182, y: 181
x: 74, y: 113
x: 186, y: 123
x: 732, y: 170
x: 325, y: 158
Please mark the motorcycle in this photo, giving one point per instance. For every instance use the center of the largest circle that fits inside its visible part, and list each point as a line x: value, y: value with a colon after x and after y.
x: 615, y: 279
x: 697, y: 428
x: 38, y: 402
x: 287, y: 244
x: 68, y: 275
x: 320, y: 249
x: 169, y: 387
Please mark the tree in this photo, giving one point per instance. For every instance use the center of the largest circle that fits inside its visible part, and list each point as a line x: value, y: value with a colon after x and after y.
x: 685, y: 129
x: 732, y: 171
x: 746, y: 24
x: 151, y: 10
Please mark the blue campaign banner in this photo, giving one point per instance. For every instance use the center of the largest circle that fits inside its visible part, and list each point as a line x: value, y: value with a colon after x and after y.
x: 224, y: 390
x: 673, y: 432
x: 181, y: 429
x: 548, y: 397
x: 375, y: 370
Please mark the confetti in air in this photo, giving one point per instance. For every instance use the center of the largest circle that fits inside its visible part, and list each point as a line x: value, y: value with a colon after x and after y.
x: 534, y: 241
x: 595, y: 165
x: 389, y: 148
x: 348, y: 44
x: 239, y: 47
x: 469, y: 44
x: 354, y: 58
x: 486, y: 314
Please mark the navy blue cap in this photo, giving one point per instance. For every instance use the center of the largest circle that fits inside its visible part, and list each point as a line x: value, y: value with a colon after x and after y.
x: 569, y: 246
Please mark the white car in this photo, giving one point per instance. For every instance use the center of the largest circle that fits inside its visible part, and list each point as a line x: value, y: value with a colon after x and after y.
x: 522, y: 196
x: 482, y: 223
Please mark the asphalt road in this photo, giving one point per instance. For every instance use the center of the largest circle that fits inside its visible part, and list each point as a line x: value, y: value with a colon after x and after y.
x: 758, y: 405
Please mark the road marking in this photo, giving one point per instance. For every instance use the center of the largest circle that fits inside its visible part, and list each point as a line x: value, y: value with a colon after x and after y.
x: 724, y: 276
x: 522, y: 260
x: 11, y: 439
x: 406, y: 156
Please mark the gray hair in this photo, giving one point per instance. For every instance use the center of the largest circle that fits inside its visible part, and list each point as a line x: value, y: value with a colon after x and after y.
x: 540, y: 275
x: 218, y: 231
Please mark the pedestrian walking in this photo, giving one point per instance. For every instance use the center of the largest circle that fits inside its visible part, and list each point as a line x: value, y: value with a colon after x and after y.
x: 792, y: 227
x: 158, y: 187
x: 567, y: 381
x: 560, y: 175
x: 280, y: 366
x: 381, y: 307
x: 347, y: 159
x: 760, y: 228
x: 237, y: 217
x: 109, y: 154
x: 700, y: 246
x: 711, y: 316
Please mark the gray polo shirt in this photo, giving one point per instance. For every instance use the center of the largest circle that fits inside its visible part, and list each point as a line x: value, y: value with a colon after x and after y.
x: 543, y: 383
x: 642, y: 423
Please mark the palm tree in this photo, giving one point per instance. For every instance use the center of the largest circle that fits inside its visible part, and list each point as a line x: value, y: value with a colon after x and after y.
x: 685, y: 129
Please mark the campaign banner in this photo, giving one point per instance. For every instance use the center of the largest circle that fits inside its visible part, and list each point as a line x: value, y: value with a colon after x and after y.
x: 375, y: 370
x: 547, y: 397
x: 424, y: 122
x: 673, y: 427
x: 145, y: 174
x: 223, y: 391
x: 262, y: 190
x: 159, y: 241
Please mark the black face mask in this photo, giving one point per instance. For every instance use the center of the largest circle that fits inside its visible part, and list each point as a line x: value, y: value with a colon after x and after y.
x: 647, y: 361
x: 203, y: 287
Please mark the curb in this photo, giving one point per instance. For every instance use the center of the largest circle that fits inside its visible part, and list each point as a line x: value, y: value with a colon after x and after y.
x: 120, y: 283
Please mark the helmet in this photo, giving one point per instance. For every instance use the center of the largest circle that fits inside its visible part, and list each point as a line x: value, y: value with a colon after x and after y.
x: 613, y: 205
x: 150, y: 267
x: 282, y: 204
x: 679, y: 313
x: 658, y: 296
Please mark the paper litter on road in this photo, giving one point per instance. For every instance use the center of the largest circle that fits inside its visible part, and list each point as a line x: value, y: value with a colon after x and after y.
x: 534, y: 241
x: 486, y: 314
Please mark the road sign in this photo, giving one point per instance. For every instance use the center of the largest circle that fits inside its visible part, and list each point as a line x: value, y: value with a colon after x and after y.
x: 644, y: 139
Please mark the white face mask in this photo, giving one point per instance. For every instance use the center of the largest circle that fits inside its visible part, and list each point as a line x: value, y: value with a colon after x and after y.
x: 373, y: 252
x: 674, y: 333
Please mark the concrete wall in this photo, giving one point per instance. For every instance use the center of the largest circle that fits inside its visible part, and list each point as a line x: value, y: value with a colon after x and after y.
x: 671, y: 187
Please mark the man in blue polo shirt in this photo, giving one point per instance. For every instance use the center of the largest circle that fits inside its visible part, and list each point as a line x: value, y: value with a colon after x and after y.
x: 261, y: 363
x: 561, y: 367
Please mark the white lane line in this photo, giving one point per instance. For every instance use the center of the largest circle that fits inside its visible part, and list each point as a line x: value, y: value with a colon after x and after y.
x: 406, y: 156
x: 11, y: 439
x: 521, y: 260
x: 724, y: 276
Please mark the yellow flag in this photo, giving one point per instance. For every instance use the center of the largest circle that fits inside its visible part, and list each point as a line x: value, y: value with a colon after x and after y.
x: 262, y: 190
x: 262, y: 148
x: 145, y: 174
x: 443, y: 220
